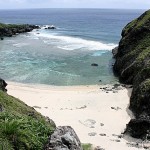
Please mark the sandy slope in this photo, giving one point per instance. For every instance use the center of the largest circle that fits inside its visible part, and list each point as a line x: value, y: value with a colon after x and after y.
x: 96, y: 116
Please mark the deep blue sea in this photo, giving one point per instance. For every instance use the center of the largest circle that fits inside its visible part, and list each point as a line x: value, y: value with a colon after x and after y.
x: 63, y: 56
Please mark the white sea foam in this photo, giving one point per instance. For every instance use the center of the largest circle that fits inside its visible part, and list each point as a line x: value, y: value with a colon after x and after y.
x: 98, y: 53
x: 20, y: 44
x: 64, y: 73
x: 72, y: 43
x: 35, y: 38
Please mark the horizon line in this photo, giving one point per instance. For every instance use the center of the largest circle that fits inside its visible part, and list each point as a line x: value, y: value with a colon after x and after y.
x: 74, y: 8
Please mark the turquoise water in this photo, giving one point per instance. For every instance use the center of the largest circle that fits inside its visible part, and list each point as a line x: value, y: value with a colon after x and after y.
x: 63, y: 56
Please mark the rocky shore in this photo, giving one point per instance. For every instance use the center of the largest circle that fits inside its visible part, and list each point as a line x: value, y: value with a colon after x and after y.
x: 8, y: 30
x: 133, y: 67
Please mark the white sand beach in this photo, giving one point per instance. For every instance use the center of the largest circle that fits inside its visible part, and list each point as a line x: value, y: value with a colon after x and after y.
x: 96, y: 116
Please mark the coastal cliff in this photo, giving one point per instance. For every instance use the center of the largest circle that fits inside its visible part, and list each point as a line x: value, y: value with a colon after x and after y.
x: 133, y: 67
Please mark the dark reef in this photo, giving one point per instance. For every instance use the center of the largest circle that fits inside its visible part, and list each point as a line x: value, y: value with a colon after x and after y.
x: 133, y: 67
x: 9, y: 30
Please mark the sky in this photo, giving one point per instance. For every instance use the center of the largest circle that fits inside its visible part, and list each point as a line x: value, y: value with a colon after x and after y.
x: 126, y: 4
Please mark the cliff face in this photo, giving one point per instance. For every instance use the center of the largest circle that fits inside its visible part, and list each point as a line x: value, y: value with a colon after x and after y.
x: 133, y: 67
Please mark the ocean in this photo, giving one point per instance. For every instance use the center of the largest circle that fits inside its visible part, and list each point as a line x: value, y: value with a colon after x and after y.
x: 63, y: 57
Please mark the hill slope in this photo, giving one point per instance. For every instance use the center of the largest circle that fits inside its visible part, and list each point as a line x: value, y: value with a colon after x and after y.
x: 21, y: 127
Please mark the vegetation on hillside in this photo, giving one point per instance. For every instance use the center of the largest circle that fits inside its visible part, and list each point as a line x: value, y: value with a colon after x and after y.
x: 21, y: 127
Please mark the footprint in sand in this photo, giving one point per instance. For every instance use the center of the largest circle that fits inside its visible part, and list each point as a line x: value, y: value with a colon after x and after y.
x: 115, y: 108
x: 115, y: 140
x: 88, y: 123
x: 118, y: 136
x: 102, y: 134
x: 92, y: 134
x: 83, y: 107
x: 101, y: 124
x: 98, y: 148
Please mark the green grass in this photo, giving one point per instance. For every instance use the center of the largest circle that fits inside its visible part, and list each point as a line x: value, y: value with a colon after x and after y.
x: 137, y: 23
x: 129, y: 26
x: 21, y: 127
x: 87, y: 146
x: 144, y: 54
x: 143, y: 19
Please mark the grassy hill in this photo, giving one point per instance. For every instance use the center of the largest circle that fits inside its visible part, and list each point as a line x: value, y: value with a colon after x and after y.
x: 21, y: 127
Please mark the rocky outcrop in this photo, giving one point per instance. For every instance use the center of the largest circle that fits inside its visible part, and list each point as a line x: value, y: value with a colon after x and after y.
x: 94, y: 64
x: 51, y: 27
x: 3, y: 85
x: 133, y: 67
x: 63, y: 138
x: 13, y: 29
x: 115, y: 51
x: 139, y: 128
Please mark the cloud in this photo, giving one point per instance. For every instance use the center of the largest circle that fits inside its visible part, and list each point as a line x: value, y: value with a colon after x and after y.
x: 12, y: 1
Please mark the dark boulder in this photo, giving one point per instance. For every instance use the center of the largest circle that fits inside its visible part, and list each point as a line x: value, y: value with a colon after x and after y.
x: 140, y: 99
x: 3, y: 85
x: 94, y: 64
x: 51, y: 27
x: 115, y: 51
x: 139, y: 128
x: 63, y: 138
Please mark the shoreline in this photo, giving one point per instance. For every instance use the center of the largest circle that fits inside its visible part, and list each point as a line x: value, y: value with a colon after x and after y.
x: 53, y: 87
x: 98, y: 117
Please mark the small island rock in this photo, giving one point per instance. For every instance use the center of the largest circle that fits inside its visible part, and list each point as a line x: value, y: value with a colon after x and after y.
x: 94, y: 64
